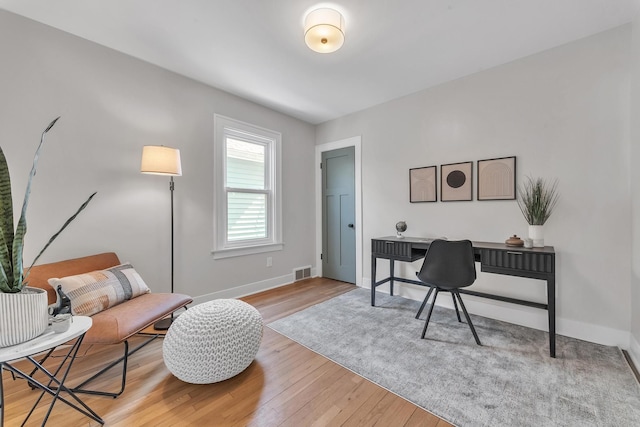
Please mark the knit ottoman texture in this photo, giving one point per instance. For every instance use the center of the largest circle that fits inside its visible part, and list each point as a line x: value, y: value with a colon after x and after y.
x: 213, y: 341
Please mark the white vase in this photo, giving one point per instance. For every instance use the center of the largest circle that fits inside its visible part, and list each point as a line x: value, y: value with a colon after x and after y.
x: 23, y: 315
x: 536, y: 233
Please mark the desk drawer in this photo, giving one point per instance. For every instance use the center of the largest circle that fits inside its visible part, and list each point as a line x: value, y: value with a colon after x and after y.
x: 385, y: 248
x: 518, y: 260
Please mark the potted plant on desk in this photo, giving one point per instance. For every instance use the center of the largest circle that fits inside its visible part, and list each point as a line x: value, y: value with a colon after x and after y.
x: 23, y: 310
x: 537, y: 198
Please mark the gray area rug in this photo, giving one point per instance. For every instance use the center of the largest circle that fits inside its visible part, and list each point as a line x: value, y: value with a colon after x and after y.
x: 509, y: 381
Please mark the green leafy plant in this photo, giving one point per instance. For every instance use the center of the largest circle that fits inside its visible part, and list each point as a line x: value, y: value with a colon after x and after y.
x: 12, y: 277
x: 537, y: 198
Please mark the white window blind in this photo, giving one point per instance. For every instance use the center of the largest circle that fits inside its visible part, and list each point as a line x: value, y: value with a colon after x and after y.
x: 246, y: 190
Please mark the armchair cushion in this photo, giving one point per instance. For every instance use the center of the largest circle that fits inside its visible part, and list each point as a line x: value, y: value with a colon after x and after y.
x: 119, y: 323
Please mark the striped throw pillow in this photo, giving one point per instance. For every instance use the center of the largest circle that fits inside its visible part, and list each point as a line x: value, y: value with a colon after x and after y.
x: 90, y: 293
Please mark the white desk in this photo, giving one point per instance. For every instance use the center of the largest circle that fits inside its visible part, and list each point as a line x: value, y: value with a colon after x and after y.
x: 48, y: 341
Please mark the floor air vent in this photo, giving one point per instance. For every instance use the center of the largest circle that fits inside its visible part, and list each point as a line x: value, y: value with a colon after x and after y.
x: 301, y: 273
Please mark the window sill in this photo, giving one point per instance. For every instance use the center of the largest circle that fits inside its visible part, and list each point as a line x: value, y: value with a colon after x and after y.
x: 246, y: 250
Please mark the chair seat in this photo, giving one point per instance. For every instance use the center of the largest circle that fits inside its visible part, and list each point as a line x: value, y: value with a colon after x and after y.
x: 122, y: 321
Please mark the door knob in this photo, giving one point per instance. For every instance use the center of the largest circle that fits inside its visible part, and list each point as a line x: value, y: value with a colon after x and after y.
x: 350, y: 225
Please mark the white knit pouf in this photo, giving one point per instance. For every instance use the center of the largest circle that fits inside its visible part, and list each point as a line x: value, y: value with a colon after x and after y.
x: 213, y: 341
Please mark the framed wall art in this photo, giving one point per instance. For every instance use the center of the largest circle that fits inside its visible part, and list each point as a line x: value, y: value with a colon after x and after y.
x: 456, y: 182
x: 497, y: 179
x: 422, y: 184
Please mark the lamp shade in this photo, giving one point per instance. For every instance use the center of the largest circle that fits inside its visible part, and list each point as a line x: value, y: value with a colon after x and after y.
x: 160, y: 160
x: 324, y: 30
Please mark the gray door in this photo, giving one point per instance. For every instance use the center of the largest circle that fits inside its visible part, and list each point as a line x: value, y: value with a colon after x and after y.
x: 338, y: 215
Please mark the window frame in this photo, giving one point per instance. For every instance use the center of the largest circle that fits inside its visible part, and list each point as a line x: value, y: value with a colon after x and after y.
x: 225, y: 127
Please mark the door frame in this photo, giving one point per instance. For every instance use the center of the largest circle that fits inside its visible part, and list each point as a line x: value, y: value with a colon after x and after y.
x: 355, y: 142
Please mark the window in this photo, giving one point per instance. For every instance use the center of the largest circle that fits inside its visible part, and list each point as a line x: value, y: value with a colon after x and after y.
x: 246, y: 189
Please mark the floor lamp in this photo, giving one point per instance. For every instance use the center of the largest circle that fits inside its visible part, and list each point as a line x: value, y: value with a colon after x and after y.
x: 161, y: 160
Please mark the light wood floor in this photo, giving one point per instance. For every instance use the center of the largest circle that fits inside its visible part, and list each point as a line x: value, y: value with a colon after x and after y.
x: 287, y: 384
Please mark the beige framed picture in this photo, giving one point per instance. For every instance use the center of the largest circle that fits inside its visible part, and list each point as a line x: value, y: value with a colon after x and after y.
x: 456, y: 182
x: 497, y: 179
x: 422, y: 185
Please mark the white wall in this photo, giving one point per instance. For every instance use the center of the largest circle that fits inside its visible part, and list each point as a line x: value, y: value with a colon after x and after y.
x: 565, y: 114
x: 111, y: 105
x: 635, y: 193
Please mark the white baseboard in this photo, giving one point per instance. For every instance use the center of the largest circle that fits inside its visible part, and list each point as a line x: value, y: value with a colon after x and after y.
x: 251, y: 288
x: 593, y: 333
x: 634, y: 351
x: 520, y: 315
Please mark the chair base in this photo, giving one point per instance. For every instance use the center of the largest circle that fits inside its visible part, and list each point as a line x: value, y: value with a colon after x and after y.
x: 454, y: 294
x: 424, y: 303
x: 124, y: 359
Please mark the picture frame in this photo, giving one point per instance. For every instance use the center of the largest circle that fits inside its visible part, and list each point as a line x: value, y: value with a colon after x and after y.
x: 497, y: 179
x: 456, y: 182
x: 423, y: 184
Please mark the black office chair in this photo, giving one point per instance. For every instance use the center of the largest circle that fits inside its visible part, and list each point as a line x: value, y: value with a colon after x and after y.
x: 448, y: 266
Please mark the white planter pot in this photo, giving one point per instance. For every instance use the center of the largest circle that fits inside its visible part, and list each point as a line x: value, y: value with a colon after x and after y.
x: 536, y: 233
x: 23, y: 315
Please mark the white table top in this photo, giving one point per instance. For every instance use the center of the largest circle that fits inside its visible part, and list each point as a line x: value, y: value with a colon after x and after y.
x: 47, y: 340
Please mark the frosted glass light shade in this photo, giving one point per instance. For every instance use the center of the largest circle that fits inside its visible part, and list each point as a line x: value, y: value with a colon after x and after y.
x: 324, y: 30
x: 160, y: 160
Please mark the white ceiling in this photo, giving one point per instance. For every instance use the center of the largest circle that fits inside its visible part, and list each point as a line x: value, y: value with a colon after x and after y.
x: 255, y: 48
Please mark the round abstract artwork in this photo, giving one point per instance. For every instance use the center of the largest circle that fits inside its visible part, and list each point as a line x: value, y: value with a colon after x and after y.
x: 456, y: 179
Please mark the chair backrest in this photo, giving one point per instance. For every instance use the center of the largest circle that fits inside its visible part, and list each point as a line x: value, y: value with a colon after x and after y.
x: 449, y: 264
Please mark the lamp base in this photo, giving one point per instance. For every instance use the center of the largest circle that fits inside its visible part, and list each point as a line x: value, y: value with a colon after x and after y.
x: 163, y: 325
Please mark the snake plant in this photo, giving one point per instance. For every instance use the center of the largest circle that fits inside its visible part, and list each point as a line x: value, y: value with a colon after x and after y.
x: 12, y: 277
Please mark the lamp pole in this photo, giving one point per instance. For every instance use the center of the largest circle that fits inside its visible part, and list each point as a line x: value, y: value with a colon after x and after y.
x: 161, y: 160
x: 171, y: 188
x: 164, y: 324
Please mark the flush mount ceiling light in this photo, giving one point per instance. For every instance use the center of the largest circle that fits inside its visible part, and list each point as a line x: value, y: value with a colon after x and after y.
x: 324, y: 30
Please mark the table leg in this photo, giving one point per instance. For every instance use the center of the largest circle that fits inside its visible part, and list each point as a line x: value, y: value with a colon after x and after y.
x: 373, y: 280
x: 391, y: 268
x: 551, y: 303
x: 64, y: 377
x: 55, y: 392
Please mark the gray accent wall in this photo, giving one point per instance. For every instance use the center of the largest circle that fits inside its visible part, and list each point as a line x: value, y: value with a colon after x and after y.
x: 565, y: 114
x: 111, y: 105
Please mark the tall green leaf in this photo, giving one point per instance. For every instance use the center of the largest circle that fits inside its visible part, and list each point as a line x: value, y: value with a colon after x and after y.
x: 6, y: 218
x: 21, y: 229
x: 5, y: 267
x: 67, y: 222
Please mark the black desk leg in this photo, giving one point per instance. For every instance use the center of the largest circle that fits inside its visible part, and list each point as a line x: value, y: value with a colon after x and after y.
x: 373, y: 280
x: 551, y: 302
x: 391, y: 268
